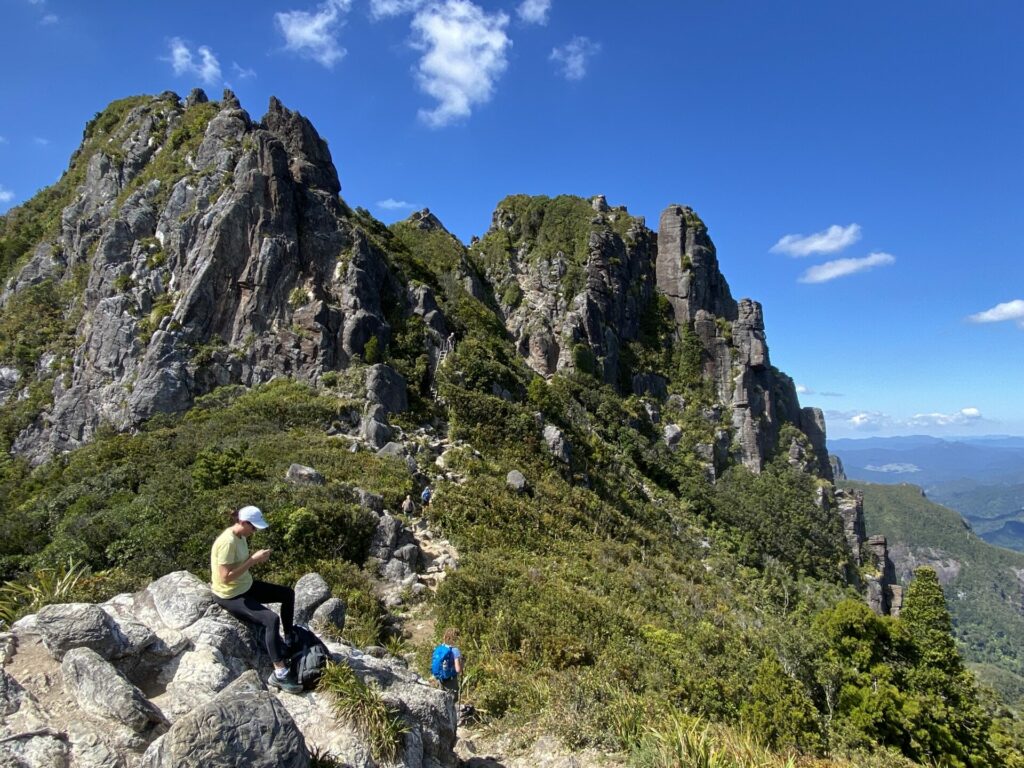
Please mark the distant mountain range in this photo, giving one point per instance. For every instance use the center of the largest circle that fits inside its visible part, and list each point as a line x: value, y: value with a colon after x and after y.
x: 982, y: 478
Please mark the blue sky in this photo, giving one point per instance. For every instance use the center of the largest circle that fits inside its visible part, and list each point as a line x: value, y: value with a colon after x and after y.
x: 859, y: 165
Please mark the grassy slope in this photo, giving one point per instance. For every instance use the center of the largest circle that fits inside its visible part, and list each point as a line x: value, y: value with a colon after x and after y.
x: 985, y: 599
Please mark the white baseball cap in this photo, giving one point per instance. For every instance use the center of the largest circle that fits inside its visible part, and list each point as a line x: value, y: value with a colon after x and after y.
x: 252, y: 515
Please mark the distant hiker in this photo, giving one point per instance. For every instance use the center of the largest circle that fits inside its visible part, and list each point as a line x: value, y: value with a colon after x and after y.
x: 408, y: 506
x: 239, y: 594
x: 425, y: 496
x: 446, y: 663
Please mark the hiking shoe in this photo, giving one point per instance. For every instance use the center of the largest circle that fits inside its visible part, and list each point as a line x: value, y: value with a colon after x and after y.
x: 284, y: 684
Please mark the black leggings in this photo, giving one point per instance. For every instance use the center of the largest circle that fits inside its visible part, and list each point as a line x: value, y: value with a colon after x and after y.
x: 249, y: 606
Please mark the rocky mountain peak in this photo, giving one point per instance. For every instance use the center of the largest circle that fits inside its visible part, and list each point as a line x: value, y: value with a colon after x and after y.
x: 212, y: 249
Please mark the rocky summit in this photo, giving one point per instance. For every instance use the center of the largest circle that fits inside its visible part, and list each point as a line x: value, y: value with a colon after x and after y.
x: 213, y: 249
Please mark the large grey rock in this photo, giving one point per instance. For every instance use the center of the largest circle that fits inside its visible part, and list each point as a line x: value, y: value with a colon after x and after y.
x: 77, y: 625
x: 516, y: 481
x: 180, y: 598
x: 244, y: 725
x: 197, y: 677
x: 672, y: 434
x: 385, y: 537
x: 229, y: 636
x: 376, y: 433
x: 557, y: 445
x: 369, y: 500
x: 311, y: 591
x: 331, y: 613
x: 393, y: 450
x: 99, y: 689
x: 386, y: 386
x: 300, y: 474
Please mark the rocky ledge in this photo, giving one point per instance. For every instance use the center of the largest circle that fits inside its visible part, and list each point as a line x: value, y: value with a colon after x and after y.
x: 166, y: 678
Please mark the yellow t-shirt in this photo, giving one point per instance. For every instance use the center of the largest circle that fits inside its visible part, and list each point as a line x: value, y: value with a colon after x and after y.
x: 230, y: 550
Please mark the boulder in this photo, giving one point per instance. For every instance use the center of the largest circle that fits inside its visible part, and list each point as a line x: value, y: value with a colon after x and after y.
x: 672, y: 434
x: 310, y: 592
x: 557, y: 445
x: 387, y: 387
x: 100, y: 690
x: 376, y: 433
x: 199, y: 675
x: 299, y: 474
x: 179, y: 598
x: 394, y: 450
x: 371, y: 501
x: 77, y: 625
x: 331, y: 613
x: 243, y: 725
x: 385, y: 537
x: 516, y: 481
x: 228, y: 635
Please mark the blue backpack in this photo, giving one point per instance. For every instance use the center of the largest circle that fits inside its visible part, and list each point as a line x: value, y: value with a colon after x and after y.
x: 442, y: 664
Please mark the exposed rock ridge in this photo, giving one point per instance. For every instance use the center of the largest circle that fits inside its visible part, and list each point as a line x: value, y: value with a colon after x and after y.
x: 243, y: 268
x: 215, y: 250
x: 871, y: 565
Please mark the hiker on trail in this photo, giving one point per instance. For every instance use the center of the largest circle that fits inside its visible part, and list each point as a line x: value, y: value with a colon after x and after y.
x: 446, y: 663
x: 236, y: 591
x: 425, y: 496
x: 408, y: 506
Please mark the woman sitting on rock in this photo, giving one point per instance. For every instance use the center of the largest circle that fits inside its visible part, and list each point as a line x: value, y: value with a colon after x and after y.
x: 239, y: 594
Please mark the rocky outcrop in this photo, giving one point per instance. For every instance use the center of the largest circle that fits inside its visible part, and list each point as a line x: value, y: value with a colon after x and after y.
x: 193, y: 696
x: 243, y: 268
x: 227, y: 257
x: 870, y: 564
x: 555, y: 304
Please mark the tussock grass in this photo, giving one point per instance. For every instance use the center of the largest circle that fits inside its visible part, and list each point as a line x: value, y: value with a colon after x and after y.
x: 43, y: 587
x: 363, y: 705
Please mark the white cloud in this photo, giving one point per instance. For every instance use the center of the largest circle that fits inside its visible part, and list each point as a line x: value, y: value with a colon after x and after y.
x: 830, y: 270
x: 1008, y: 310
x: 876, y: 421
x: 534, y: 11
x: 963, y: 416
x: 50, y: 18
x: 831, y: 240
x: 242, y: 73
x: 5, y: 194
x: 382, y: 9
x: 802, y: 390
x: 184, y: 62
x: 312, y: 35
x: 40, y: 141
x: 464, y: 53
x: 868, y: 421
x: 396, y: 205
x: 574, y: 56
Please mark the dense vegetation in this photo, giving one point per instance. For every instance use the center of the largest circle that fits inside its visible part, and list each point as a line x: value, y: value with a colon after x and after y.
x: 984, y: 597
x: 624, y: 601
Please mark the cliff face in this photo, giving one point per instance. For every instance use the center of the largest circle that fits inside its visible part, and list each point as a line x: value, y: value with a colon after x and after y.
x: 211, y: 249
x: 237, y: 265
